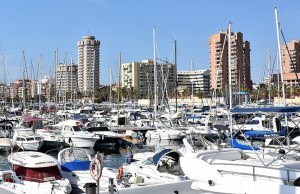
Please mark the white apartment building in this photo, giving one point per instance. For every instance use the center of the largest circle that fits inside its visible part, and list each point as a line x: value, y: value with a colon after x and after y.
x: 66, y: 79
x: 198, y: 80
x: 88, y: 65
x: 140, y: 76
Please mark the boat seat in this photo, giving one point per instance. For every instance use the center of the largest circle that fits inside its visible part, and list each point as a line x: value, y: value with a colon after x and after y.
x: 76, y: 165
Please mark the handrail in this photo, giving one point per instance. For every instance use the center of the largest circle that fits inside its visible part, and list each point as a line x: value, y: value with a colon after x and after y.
x: 255, y: 175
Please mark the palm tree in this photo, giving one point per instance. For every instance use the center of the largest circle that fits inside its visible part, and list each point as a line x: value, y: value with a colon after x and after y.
x: 187, y: 92
x: 102, y: 94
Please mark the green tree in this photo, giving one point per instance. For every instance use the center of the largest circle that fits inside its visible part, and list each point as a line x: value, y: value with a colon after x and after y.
x: 36, y: 98
x: 187, y: 92
x: 102, y: 94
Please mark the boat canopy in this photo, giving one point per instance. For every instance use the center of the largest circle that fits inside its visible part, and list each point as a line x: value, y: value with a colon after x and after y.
x: 267, y: 110
x: 235, y: 144
x: 160, y: 154
x: 165, y: 153
x: 31, y: 119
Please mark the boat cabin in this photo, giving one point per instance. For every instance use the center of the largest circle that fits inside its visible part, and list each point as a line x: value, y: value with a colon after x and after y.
x: 35, y: 166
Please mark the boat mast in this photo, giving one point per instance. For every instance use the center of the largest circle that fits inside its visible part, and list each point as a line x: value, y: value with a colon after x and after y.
x: 155, y: 75
x: 119, y: 90
x: 94, y: 82
x: 5, y: 79
x: 279, y: 54
x: 278, y: 83
x: 229, y: 74
x: 110, y: 86
x: 176, y: 84
x: 192, y: 80
x: 229, y: 64
x: 40, y: 73
x: 71, y: 95
x: 23, y: 79
x: 269, y: 74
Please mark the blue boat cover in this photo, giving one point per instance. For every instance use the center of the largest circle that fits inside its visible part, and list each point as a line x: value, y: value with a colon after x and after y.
x: 76, y: 165
x: 257, y: 133
x: 235, y: 144
x: 158, y: 155
x: 266, y: 110
x: 194, y: 117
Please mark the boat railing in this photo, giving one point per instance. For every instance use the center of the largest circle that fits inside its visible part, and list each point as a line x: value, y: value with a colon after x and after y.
x: 288, y: 175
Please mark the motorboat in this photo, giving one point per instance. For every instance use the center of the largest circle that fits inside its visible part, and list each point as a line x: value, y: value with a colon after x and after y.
x: 75, y: 134
x: 27, y: 140
x: 160, y: 167
x: 75, y: 166
x: 106, y: 136
x: 131, y: 138
x: 231, y: 170
x: 165, y: 133
x: 34, y: 173
x: 5, y: 144
x: 257, y: 123
x: 111, y: 138
x: 51, y: 136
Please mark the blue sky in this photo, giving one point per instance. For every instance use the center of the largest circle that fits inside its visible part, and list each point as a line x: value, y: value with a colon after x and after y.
x: 39, y: 27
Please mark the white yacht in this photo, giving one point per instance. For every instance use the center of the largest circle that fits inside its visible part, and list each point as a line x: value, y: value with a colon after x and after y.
x: 165, y: 133
x: 75, y: 134
x: 231, y: 170
x: 34, y: 173
x: 5, y: 144
x: 51, y: 136
x: 27, y: 140
x: 256, y: 124
x: 154, y: 168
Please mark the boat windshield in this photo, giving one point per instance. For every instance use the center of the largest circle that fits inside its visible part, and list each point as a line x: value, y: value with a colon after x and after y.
x: 69, y: 155
x: 78, y: 128
x: 253, y: 122
x: 38, y: 174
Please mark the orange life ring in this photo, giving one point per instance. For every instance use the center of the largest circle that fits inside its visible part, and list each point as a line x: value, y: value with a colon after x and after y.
x: 96, y: 164
x: 120, y: 173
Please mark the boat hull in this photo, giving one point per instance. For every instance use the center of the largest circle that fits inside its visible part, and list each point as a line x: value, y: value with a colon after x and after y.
x: 81, y: 142
x: 29, y: 145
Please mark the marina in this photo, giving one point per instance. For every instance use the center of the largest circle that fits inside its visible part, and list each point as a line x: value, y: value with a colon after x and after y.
x: 132, y: 121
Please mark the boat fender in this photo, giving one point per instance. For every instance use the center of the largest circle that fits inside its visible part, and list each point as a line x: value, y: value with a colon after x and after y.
x: 96, y: 164
x: 120, y: 173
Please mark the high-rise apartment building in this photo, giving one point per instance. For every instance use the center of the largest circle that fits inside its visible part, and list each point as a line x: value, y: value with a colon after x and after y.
x: 196, y: 80
x: 290, y: 55
x: 66, y: 80
x: 240, y: 62
x: 88, y: 65
x: 140, y: 76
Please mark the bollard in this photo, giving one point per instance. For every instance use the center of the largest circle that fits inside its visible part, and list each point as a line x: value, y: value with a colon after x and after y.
x: 111, y: 186
x: 90, y: 188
